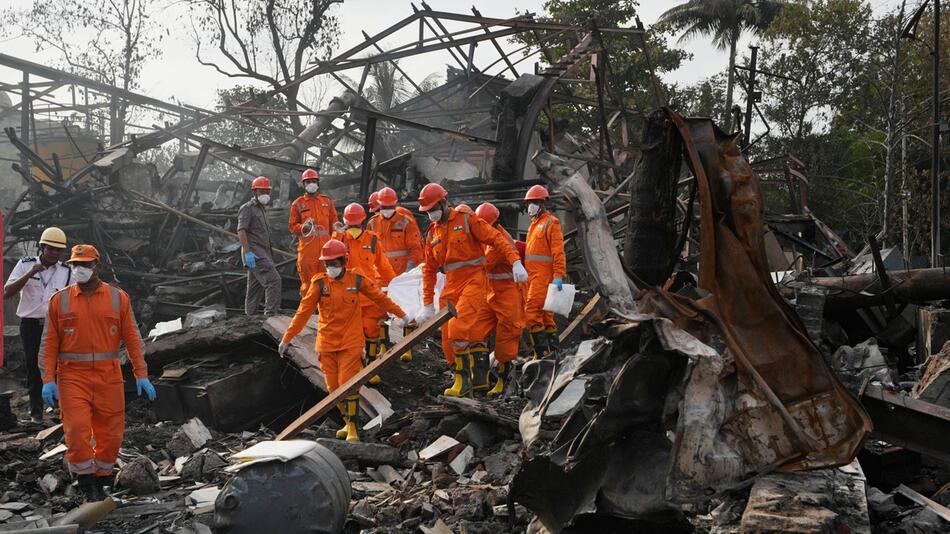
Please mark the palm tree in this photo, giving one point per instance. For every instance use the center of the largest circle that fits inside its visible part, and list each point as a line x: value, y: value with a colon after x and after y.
x: 724, y: 21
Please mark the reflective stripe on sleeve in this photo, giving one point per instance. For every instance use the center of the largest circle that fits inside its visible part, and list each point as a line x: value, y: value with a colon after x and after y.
x: 397, y: 253
x: 500, y: 276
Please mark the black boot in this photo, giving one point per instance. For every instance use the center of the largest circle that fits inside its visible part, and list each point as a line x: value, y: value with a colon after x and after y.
x: 539, y: 343
x: 480, y: 368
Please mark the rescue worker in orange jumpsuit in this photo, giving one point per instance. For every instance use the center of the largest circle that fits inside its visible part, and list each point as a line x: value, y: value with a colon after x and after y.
x: 398, y: 232
x: 506, y: 299
x: 454, y: 244
x: 400, y: 237
x: 366, y: 255
x: 337, y: 294
x: 311, y: 219
x: 79, y: 355
x: 544, y: 258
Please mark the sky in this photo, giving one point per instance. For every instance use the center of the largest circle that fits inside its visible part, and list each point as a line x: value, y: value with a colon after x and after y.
x: 177, y: 76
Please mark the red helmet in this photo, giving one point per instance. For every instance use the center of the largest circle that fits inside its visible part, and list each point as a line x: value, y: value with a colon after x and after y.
x: 487, y: 212
x: 332, y: 250
x: 374, y: 202
x: 309, y: 174
x: 354, y: 214
x: 430, y: 195
x: 387, y: 197
x: 464, y: 208
x: 537, y: 192
x: 261, y: 182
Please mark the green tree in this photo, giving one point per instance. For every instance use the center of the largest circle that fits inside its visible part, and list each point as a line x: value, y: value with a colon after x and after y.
x: 725, y: 21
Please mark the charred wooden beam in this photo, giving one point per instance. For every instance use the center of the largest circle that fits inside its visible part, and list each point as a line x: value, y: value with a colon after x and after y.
x: 650, y: 241
x: 865, y: 290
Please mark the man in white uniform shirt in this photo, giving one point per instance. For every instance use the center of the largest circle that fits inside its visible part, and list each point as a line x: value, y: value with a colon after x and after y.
x: 36, y: 279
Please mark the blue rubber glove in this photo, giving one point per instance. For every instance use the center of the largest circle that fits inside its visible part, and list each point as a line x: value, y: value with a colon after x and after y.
x: 559, y: 283
x: 250, y: 259
x: 142, y: 384
x: 50, y: 394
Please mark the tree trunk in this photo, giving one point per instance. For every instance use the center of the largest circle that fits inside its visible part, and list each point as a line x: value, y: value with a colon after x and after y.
x: 731, y: 80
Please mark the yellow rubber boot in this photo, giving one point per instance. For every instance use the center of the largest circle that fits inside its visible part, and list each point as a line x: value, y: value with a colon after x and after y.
x: 352, y: 418
x: 462, y: 386
x: 480, y: 368
x: 500, y: 383
x: 341, y: 433
x: 372, y: 352
x: 406, y: 356
x: 539, y: 343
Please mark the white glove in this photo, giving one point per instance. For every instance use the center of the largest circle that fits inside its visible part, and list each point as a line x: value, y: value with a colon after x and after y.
x: 282, y: 349
x: 519, y: 272
x: 427, y: 312
x: 339, y: 227
x: 400, y: 322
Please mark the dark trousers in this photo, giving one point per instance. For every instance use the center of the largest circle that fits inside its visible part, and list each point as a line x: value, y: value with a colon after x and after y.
x: 31, y: 331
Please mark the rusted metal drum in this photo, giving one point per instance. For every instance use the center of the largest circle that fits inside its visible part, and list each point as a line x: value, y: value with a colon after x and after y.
x: 310, y: 493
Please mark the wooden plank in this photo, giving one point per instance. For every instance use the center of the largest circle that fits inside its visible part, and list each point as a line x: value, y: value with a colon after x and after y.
x: 353, y: 384
x: 580, y: 319
x: 938, y: 508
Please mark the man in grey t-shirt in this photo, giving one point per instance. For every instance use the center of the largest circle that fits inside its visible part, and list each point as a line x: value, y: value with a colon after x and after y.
x: 263, y: 280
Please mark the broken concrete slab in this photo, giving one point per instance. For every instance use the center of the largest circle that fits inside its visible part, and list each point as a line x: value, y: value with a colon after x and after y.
x: 190, y: 437
x: 53, y: 432
x: 477, y: 433
x: 440, y: 446
x: 934, y: 383
x: 459, y: 464
x: 825, y: 500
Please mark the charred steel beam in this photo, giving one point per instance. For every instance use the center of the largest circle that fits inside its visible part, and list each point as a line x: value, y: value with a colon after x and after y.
x: 33, y: 157
x: 289, y: 165
x: 392, y: 119
x: 406, y: 76
x: 908, y: 422
x: 521, y: 23
x: 66, y: 77
x: 368, y: 156
x: 448, y: 35
x: 504, y: 56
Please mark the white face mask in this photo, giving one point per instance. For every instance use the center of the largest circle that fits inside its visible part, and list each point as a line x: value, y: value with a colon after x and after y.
x: 312, y: 187
x: 81, y: 274
x: 334, y: 272
x: 435, y: 215
x: 388, y: 212
x: 263, y: 199
x: 533, y: 209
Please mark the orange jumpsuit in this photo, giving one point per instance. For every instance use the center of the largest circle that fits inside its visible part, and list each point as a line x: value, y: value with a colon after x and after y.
x: 506, y: 299
x: 400, y: 238
x: 80, y: 352
x: 339, y: 329
x: 544, y: 260
x: 456, y: 247
x: 366, y: 255
x: 319, y: 209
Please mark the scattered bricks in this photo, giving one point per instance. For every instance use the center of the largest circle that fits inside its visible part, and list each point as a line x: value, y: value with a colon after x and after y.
x: 440, y: 478
x: 139, y: 477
